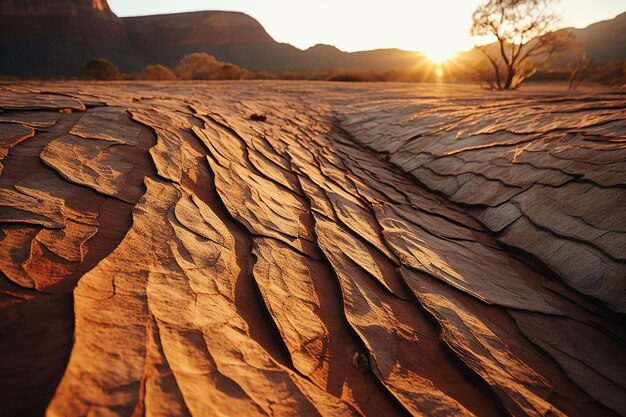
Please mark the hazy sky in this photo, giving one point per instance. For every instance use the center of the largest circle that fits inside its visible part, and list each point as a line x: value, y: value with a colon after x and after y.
x: 418, y: 25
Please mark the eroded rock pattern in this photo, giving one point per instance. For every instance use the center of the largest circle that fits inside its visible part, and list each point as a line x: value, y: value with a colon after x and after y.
x: 366, y: 250
x: 546, y: 173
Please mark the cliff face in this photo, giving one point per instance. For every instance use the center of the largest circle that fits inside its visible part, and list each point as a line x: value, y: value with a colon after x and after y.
x: 185, y: 29
x: 51, y: 7
x: 47, y: 37
x: 230, y: 36
x: 70, y: 20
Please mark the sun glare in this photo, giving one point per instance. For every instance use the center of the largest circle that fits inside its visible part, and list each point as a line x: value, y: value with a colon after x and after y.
x: 439, y: 54
x: 440, y: 47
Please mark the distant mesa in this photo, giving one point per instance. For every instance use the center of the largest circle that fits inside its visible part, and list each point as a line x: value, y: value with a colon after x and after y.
x: 187, y: 29
x: 56, y: 37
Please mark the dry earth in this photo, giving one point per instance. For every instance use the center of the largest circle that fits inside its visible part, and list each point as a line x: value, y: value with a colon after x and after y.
x: 372, y: 250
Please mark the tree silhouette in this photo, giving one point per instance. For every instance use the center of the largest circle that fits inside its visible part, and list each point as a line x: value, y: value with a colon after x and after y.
x: 525, y: 39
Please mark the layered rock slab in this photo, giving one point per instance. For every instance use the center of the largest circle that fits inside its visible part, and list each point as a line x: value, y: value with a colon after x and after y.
x: 218, y: 266
x: 545, y: 173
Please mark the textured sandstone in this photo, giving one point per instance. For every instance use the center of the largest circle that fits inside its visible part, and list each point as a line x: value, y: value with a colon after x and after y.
x: 546, y: 174
x: 163, y: 254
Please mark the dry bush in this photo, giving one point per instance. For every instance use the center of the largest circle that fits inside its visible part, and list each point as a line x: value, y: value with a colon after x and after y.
x: 229, y: 72
x: 202, y: 66
x: 100, y: 69
x: 197, y: 66
x: 156, y: 73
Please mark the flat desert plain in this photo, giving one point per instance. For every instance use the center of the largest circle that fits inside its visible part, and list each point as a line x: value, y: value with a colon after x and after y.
x: 311, y: 249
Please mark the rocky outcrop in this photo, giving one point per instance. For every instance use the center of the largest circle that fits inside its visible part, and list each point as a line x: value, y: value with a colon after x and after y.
x: 39, y: 8
x: 161, y: 253
x: 192, y: 29
x: 229, y: 36
x: 73, y: 21
x: 43, y: 37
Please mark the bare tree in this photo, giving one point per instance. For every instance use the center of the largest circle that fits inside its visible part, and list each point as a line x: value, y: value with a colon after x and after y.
x: 525, y: 39
x: 579, y: 71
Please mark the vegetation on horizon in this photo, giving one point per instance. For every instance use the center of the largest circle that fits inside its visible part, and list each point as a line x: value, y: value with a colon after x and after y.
x: 202, y: 66
x: 157, y: 73
x: 611, y: 74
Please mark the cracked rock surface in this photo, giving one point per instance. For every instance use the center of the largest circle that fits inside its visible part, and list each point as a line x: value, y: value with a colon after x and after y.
x: 365, y: 250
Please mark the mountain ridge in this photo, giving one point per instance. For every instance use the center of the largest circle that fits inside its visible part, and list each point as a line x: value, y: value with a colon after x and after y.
x: 40, y: 38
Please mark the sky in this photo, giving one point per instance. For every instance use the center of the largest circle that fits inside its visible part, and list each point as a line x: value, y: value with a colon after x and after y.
x: 435, y: 27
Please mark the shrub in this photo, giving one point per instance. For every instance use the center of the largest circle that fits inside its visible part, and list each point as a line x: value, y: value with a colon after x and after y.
x: 202, y: 66
x: 157, y: 73
x: 229, y: 72
x: 99, y: 69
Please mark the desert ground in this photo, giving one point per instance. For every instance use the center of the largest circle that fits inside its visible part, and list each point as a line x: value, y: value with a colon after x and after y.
x: 311, y: 249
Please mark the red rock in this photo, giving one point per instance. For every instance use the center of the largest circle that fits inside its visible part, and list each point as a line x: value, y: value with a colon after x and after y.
x: 149, y: 33
x: 161, y: 254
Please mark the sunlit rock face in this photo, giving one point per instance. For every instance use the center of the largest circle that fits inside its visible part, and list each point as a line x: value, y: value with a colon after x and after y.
x: 351, y: 250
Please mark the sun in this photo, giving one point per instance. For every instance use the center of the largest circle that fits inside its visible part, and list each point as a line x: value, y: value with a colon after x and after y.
x: 440, y: 54
x: 440, y: 49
